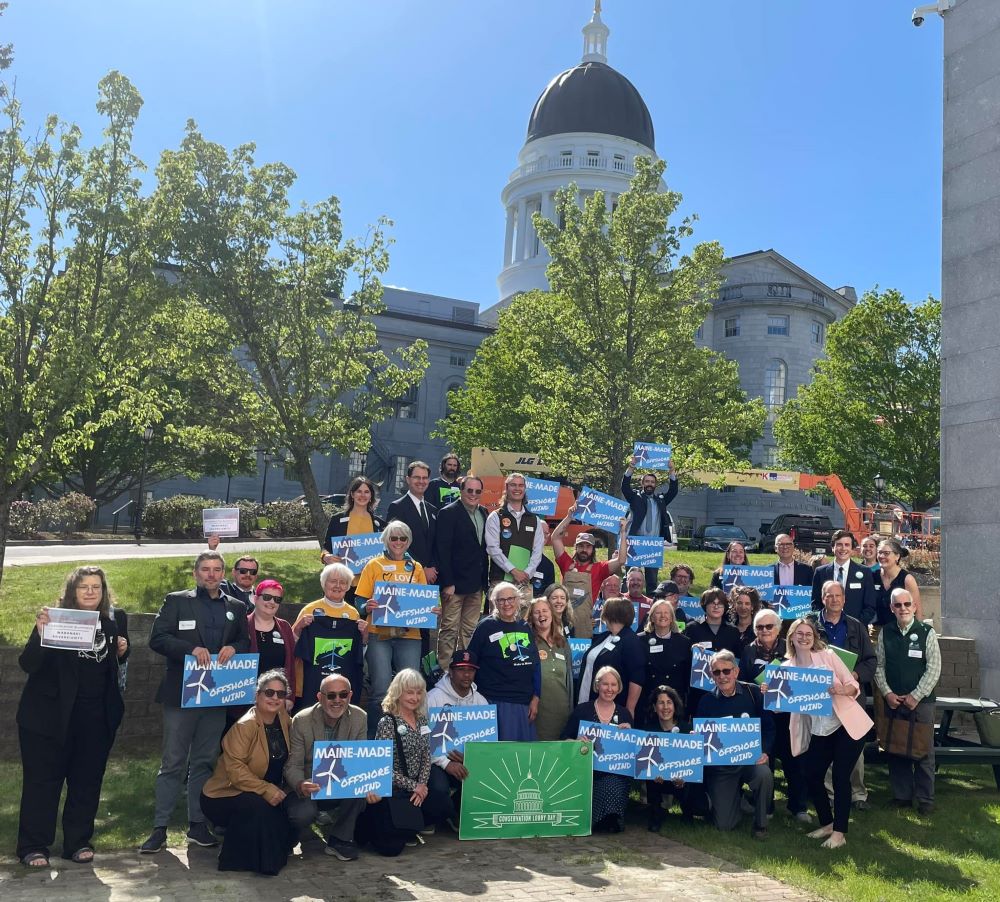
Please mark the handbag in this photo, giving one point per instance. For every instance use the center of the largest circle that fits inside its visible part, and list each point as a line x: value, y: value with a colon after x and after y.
x: 988, y: 725
x: 901, y: 731
x: 405, y: 816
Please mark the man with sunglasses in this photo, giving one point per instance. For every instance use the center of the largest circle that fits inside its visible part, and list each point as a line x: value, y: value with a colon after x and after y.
x: 908, y: 669
x: 463, y: 567
x: 240, y: 583
x: 332, y: 718
x: 724, y: 783
x: 201, y: 622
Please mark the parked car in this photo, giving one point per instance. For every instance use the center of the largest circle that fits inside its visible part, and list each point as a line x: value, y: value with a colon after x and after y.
x: 809, y: 532
x: 718, y: 536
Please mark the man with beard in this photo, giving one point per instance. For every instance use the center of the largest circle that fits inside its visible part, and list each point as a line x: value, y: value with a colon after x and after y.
x: 514, y: 539
x: 582, y: 574
x: 649, y: 512
x: 445, y: 488
x: 634, y: 585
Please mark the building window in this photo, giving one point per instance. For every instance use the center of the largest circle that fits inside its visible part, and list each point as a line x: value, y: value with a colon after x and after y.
x: 817, y: 332
x: 727, y: 490
x: 685, y: 527
x: 771, y: 456
x: 818, y: 299
x: 405, y: 408
x: 775, y: 378
x: 732, y: 326
x: 826, y: 500
x: 699, y: 333
x: 619, y: 162
x: 593, y: 159
x: 399, y: 477
x: 457, y: 360
x: 566, y: 159
x: 777, y: 325
x: 463, y: 315
x: 356, y: 463
x: 778, y: 290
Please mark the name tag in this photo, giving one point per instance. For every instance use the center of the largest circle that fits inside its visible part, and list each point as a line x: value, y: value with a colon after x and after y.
x: 529, y: 528
x: 578, y: 592
x: 424, y: 730
x: 186, y: 625
x: 345, y: 519
x: 495, y: 637
x: 560, y: 656
x: 388, y: 568
x: 854, y: 585
x: 655, y: 649
x: 915, y: 653
x: 538, y: 575
x: 276, y: 639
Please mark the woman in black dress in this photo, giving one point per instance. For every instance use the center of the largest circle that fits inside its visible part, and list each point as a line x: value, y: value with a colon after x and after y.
x: 618, y: 648
x: 667, y: 653
x: 610, y: 790
x: 665, y: 715
x: 67, y: 718
x: 246, y: 794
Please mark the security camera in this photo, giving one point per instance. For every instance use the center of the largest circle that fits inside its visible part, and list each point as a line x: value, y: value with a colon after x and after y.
x: 939, y: 8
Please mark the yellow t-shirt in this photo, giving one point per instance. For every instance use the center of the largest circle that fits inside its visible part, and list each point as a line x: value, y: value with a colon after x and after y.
x: 385, y: 570
x: 344, y: 610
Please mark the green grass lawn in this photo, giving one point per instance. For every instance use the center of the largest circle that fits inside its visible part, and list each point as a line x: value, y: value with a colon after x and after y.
x: 139, y: 585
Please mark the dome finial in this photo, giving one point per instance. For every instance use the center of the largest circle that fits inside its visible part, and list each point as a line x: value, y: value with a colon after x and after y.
x: 595, y: 38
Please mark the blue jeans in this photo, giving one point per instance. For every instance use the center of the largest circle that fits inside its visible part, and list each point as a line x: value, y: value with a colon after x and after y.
x: 386, y: 657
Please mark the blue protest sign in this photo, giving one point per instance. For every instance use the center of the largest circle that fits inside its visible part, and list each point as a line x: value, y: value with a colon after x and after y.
x: 797, y: 690
x: 352, y: 769
x: 730, y: 740
x: 218, y: 685
x: 701, y: 670
x: 579, y: 648
x: 357, y: 550
x: 405, y: 604
x: 600, y: 510
x: 672, y: 756
x: 645, y: 551
x: 792, y: 602
x: 759, y: 578
x: 614, y: 749
x: 691, y: 606
x: 452, y: 727
x: 650, y: 456
x: 542, y: 495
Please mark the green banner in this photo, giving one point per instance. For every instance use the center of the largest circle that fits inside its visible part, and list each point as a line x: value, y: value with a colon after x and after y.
x: 849, y: 658
x: 523, y: 789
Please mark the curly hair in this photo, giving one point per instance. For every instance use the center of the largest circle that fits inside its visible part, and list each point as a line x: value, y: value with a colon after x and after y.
x: 68, y: 598
x: 405, y: 679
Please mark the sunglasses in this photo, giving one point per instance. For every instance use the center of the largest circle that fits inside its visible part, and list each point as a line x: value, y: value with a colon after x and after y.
x: 246, y: 571
x: 398, y: 539
x: 264, y: 596
x: 722, y: 671
x: 473, y: 491
x: 902, y: 604
x: 333, y: 696
x: 271, y: 693
x: 764, y: 626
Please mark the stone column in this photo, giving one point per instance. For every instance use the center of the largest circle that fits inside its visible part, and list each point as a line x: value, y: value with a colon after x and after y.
x: 521, y: 250
x: 508, y: 243
x: 970, y: 346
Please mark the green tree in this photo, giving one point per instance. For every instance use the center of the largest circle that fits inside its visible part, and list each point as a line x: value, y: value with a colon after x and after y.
x: 279, y: 279
x: 608, y: 356
x: 75, y: 265
x: 6, y: 50
x: 874, y: 402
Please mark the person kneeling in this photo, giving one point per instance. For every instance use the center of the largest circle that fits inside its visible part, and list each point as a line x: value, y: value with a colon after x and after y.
x: 245, y: 793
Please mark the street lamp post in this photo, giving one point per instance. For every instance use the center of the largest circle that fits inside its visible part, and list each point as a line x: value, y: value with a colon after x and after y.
x: 147, y: 437
x: 263, y: 485
x: 879, y: 488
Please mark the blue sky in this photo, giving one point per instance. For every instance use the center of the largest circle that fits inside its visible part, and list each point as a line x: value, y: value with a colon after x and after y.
x: 813, y: 128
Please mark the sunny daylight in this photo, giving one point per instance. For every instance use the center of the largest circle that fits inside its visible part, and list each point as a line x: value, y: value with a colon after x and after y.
x: 471, y: 449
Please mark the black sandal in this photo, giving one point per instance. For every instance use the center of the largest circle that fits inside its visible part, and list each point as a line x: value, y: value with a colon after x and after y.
x: 77, y: 856
x: 29, y: 860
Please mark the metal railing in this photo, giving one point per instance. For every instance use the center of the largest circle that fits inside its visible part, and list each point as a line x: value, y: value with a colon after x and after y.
x: 114, y: 523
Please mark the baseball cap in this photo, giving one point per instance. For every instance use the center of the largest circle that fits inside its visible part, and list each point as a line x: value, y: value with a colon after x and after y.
x: 667, y: 587
x: 587, y: 537
x: 463, y: 658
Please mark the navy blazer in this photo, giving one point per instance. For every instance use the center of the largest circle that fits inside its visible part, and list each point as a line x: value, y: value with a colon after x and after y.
x: 461, y: 555
x: 422, y: 547
x: 803, y: 574
x: 637, y: 502
x: 169, y: 639
x: 859, y: 597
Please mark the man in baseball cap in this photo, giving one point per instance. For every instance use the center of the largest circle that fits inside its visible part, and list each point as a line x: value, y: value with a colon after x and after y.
x: 670, y: 591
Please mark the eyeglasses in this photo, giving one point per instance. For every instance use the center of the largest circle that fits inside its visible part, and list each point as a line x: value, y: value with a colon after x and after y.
x: 764, y: 626
x: 508, y: 599
x: 246, y: 571
x: 264, y: 596
x: 722, y: 671
x: 333, y: 696
x: 784, y: 545
x: 473, y: 491
x: 271, y: 693
x: 398, y: 539
x: 902, y: 604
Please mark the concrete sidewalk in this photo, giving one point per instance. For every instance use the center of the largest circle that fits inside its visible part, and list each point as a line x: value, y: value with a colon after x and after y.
x: 631, y: 868
x: 50, y: 553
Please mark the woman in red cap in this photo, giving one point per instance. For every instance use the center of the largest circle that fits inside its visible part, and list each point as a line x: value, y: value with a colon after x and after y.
x: 270, y: 636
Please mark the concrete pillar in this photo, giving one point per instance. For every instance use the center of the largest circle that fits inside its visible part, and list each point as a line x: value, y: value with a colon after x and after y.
x: 970, y: 345
x: 508, y: 242
x: 520, y: 251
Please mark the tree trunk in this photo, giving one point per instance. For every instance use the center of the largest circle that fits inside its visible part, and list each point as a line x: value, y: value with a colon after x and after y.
x: 4, y: 531
x: 307, y: 479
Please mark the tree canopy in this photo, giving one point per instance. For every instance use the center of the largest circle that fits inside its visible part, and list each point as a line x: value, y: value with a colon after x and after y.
x: 608, y: 356
x: 873, y: 405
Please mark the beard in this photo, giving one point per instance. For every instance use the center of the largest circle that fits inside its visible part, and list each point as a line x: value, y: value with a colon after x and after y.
x: 648, y: 489
x: 584, y: 557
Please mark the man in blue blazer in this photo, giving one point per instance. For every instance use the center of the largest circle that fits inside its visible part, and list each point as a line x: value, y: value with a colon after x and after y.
x: 649, y: 512
x: 788, y: 571
x: 463, y: 567
x: 859, y: 589
x: 420, y: 515
x: 201, y: 622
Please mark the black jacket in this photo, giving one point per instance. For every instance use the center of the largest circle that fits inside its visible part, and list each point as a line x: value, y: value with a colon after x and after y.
x: 337, y: 527
x: 168, y: 639
x: 803, y: 574
x: 50, y: 693
x: 637, y: 502
x: 422, y: 547
x: 860, y: 643
x: 728, y: 637
x: 859, y: 597
x: 461, y: 555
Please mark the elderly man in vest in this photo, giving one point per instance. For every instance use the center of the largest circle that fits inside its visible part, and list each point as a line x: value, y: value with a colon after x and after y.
x: 514, y: 538
x: 908, y: 669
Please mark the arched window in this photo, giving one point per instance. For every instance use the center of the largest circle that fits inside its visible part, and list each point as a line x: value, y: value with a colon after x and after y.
x: 454, y: 386
x: 775, y: 379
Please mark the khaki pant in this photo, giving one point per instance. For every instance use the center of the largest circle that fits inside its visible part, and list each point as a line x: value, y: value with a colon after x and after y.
x: 459, y: 616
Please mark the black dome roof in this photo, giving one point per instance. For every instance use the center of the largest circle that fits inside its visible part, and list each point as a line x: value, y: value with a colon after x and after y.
x: 591, y: 97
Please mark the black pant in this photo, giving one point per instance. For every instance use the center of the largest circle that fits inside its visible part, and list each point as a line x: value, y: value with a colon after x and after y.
x: 79, y: 762
x: 795, y: 781
x: 258, y: 836
x: 840, y: 750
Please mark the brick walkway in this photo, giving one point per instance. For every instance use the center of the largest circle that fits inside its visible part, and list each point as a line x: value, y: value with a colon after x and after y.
x: 635, y: 867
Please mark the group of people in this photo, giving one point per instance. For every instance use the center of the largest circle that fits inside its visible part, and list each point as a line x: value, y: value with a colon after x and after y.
x: 247, y: 773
